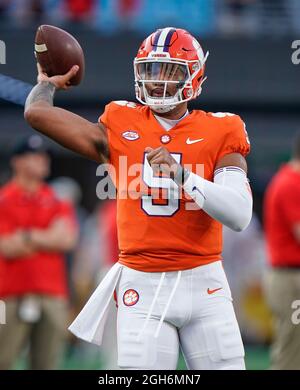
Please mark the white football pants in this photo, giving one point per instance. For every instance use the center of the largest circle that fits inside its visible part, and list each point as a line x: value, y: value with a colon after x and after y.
x: 192, y: 309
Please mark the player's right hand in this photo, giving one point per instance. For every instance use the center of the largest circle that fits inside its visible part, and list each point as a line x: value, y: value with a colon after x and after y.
x: 61, y: 81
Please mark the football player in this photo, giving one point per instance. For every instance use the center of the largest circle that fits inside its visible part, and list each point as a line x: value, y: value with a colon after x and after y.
x: 169, y: 281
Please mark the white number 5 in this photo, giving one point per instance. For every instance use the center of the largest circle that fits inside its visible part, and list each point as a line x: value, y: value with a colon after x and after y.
x: 166, y: 183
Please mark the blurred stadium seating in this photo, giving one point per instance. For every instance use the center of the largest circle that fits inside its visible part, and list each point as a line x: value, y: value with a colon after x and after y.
x: 205, y: 17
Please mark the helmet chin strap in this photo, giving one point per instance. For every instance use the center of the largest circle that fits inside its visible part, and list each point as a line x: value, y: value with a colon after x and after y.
x: 160, y: 108
x: 163, y: 109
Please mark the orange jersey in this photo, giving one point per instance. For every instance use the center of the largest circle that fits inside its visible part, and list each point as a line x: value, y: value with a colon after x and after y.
x: 163, y: 234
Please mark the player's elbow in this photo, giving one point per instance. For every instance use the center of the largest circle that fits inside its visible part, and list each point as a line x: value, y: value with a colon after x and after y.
x: 239, y: 227
x: 241, y: 220
x: 71, y: 242
x: 31, y: 116
x: 36, y: 114
x: 241, y: 212
x: 62, y: 244
x: 66, y: 246
x: 66, y: 242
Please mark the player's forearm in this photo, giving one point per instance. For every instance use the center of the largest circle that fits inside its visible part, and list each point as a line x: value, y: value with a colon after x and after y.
x: 7, y: 249
x: 296, y: 232
x: 12, y: 247
x: 64, y: 127
x: 43, y: 91
x: 54, y: 240
x: 228, y: 199
x: 52, y: 122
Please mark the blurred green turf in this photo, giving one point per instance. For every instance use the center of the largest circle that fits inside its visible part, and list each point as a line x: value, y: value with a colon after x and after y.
x: 257, y: 358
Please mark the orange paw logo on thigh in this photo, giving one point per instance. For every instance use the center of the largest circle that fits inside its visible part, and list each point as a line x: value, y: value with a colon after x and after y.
x: 130, y: 297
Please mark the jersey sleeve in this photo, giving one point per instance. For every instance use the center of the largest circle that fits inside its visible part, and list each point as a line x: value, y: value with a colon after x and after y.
x: 104, y: 117
x: 112, y: 112
x: 236, y: 138
x: 108, y: 119
x: 119, y: 115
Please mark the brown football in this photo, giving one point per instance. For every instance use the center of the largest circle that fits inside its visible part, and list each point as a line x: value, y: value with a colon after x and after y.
x: 57, y: 51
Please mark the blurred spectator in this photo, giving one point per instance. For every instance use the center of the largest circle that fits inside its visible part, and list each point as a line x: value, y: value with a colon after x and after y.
x: 79, y: 10
x: 111, y: 16
x: 294, y: 11
x: 282, y: 226
x: 275, y: 17
x: 67, y: 189
x: 108, y: 231
x: 126, y: 7
x: 198, y: 16
x: 69, y: 192
x: 25, y: 13
x: 238, y: 17
x: 36, y: 230
x: 244, y: 264
x: 3, y: 7
x: 97, y: 252
x: 128, y: 11
x: 110, y: 252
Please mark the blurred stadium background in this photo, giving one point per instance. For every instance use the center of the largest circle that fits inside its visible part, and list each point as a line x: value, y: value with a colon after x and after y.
x: 250, y: 72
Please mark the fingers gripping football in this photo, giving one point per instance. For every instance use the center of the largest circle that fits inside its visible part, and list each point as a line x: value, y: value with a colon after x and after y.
x: 161, y: 160
x: 61, y: 81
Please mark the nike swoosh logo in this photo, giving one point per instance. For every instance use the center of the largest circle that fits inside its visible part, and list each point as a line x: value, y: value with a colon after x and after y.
x: 213, y: 291
x: 200, y: 192
x: 193, y: 141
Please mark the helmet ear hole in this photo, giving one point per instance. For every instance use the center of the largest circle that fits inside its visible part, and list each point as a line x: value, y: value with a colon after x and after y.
x: 180, y: 84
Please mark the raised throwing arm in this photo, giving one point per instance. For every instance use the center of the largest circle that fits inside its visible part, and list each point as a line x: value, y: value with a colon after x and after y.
x: 66, y: 128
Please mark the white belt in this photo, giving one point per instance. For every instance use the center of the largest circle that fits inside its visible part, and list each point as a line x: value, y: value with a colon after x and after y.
x: 166, y: 307
x: 90, y: 322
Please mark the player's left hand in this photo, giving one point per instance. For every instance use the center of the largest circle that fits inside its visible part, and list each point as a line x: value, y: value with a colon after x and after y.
x: 161, y: 160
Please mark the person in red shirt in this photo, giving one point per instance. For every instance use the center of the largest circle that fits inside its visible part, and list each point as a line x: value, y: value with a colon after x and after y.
x: 282, y: 228
x: 36, y: 229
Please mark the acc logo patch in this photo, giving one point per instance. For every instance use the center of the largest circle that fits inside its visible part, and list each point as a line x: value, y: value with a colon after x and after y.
x: 130, y: 135
x: 165, y: 139
x: 130, y: 297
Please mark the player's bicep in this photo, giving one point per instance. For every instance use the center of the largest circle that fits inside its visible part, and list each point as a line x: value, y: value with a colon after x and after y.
x: 69, y: 130
x: 232, y: 160
x: 99, y: 142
